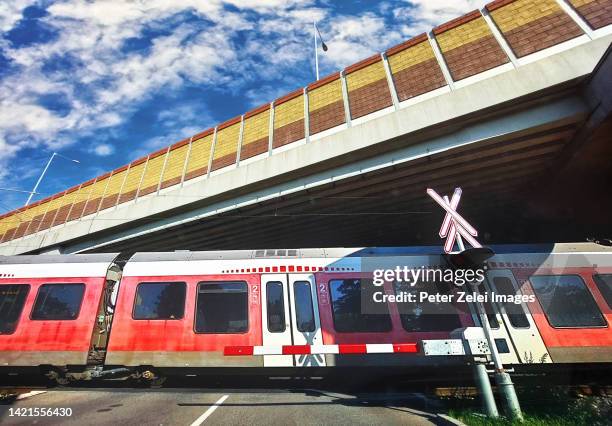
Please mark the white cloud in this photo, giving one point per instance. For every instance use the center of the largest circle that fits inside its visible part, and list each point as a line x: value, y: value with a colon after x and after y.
x: 183, y: 117
x: 92, y: 34
x: 105, y: 85
x: 7, y: 151
x: 353, y: 38
x: 152, y: 145
x: 423, y: 15
x: 102, y: 12
x: 268, y: 5
x: 180, y: 123
x: 103, y: 149
x: 11, y: 12
x: 171, y: 61
x: 28, y: 118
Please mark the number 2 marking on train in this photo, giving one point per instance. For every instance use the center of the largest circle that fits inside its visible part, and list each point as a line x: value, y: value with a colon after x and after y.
x: 323, y: 292
x: 255, y: 294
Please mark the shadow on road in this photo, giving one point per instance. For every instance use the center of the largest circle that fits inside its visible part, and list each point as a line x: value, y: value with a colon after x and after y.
x: 412, y: 403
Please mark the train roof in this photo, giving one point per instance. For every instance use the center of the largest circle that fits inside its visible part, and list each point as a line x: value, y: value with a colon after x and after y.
x: 44, y: 266
x: 58, y: 258
x: 325, y: 253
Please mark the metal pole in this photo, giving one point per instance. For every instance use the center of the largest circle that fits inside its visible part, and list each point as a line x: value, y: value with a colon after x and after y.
x: 508, y: 393
x: 42, y: 175
x: 502, y: 379
x: 484, y: 386
x: 460, y: 242
x: 480, y: 370
x: 314, y: 25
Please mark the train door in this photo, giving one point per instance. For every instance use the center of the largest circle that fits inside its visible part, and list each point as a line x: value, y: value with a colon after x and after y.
x: 305, y: 319
x: 290, y: 316
x: 518, y: 323
x: 499, y: 331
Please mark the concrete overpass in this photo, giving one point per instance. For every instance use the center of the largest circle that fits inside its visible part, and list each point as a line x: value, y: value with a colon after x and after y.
x: 510, y: 102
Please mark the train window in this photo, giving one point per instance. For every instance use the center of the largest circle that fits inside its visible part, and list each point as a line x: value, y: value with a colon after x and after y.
x: 426, y: 316
x: 604, y: 284
x: 58, y: 302
x: 348, y: 317
x: 566, y: 301
x: 275, y: 307
x: 12, y: 300
x: 222, y: 307
x: 515, y: 312
x: 304, y: 314
x: 502, y: 346
x: 160, y: 301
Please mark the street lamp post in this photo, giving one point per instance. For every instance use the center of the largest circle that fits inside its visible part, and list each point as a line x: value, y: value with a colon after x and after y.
x: 316, y: 47
x: 42, y: 175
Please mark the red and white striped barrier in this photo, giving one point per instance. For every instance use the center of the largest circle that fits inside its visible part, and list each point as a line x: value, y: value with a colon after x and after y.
x: 367, y: 348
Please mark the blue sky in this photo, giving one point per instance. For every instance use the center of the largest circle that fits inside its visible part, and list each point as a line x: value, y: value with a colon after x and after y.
x: 108, y: 81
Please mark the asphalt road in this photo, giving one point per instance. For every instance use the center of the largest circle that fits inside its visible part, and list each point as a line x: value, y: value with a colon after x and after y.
x: 179, y: 406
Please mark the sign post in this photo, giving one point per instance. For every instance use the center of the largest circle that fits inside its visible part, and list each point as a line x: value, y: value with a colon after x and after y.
x: 455, y: 228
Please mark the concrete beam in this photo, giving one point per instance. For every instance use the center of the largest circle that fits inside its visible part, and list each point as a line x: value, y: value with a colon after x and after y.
x: 498, y: 128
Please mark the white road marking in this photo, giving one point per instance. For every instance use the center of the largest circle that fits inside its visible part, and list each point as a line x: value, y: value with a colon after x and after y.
x: 29, y: 394
x: 208, y: 412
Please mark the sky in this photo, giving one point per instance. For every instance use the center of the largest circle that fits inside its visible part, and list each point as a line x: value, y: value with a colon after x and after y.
x: 106, y: 82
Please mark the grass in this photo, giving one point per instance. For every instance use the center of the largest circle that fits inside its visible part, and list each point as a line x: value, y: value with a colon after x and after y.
x: 472, y: 418
x: 555, y: 406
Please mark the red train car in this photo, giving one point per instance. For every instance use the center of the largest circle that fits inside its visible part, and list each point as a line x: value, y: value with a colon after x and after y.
x: 49, y: 307
x: 179, y: 312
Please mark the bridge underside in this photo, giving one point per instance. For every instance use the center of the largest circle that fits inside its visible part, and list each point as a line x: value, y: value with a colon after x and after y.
x: 544, y: 184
